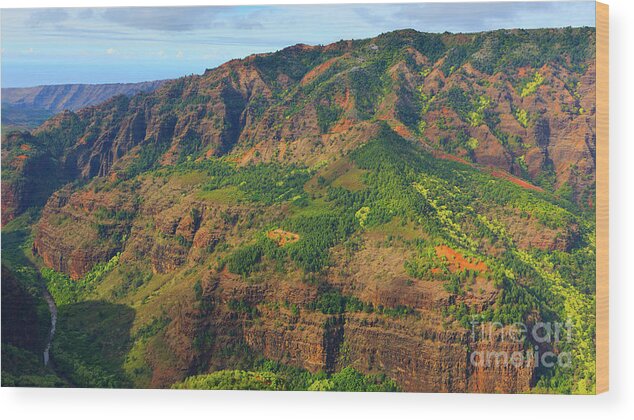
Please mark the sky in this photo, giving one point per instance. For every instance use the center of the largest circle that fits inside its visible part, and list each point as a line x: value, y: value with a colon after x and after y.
x: 108, y: 45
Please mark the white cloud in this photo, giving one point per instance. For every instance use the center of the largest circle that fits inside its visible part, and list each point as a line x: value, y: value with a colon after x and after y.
x: 172, y: 19
x: 111, y: 51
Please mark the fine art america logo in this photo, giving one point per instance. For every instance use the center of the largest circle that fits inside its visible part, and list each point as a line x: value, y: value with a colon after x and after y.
x: 520, y: 345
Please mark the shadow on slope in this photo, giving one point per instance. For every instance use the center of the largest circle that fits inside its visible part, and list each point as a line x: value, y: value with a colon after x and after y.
x: 91, y: 343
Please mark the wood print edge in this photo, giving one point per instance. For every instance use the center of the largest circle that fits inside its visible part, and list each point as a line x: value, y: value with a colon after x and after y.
x: 602, y: 198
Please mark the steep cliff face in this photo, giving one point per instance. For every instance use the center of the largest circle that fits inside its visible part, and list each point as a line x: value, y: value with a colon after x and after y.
x: 417, y: 351
x: 77, y: 231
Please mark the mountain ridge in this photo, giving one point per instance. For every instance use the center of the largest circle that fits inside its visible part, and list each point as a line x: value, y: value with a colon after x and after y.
x: 261, y: 100
x: 72, y: 96
x: 28, y: 107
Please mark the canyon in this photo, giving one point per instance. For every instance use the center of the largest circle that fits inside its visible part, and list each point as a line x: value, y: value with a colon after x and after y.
x: 353, y: 205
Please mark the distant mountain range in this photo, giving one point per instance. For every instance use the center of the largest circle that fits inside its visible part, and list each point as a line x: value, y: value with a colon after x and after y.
x: 30, y: 106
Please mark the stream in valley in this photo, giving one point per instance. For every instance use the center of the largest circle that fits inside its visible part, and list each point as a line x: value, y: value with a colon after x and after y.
x: 53, y: 310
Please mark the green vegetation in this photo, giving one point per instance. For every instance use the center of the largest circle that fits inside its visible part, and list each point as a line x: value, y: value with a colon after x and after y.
x: 92, y: 336
x: 25, y: 314
x: 244, y: 260
x: 285, y: 379
x: 317, y: 234
x: 457, y: 56
x: 334, y: 303
x: 70, y: 128
x: 91, y: 342
x: 349, y: 380
x: 470, y: 110
x: 505, y: 51
x: 530, y: 86
x: 310, y: 253
x: 132, y: 278
x: 327, y: 116
x: 522, y: 117
x: 225, y: 195
x: 330, y: 303
x: 234, y: 379
x: 472, y: 143
x: 352, y: 180
x: 66, y: 291
x: 265, y: 183
x: 190, y: 148
x: 293, y: 62
x: 368, y: 86
x: 476, y: 117
x: 23, y: 368
x: 458, y: 100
